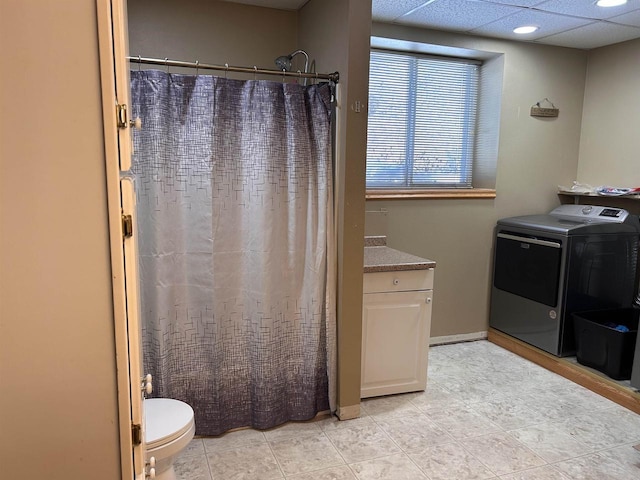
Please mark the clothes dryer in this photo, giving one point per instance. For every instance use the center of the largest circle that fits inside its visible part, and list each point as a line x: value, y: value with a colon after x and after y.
x: 575, y: 258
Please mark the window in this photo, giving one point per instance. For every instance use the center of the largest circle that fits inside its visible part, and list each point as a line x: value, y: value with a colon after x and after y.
x: 422, y: 121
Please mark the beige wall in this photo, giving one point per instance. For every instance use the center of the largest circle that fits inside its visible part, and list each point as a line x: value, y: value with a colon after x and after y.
x: 58, y: 407
x: 610, y: 143
x: 212, y: 32
x: 534, y: 157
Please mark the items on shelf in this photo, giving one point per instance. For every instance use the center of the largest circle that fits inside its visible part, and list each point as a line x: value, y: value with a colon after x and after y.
x: 585, y: 189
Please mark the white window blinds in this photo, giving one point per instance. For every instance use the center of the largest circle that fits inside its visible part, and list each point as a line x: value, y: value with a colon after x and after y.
x: 422, y: 121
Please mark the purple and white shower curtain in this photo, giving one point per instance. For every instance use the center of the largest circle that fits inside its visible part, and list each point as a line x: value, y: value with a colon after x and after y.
x: 236, y: 245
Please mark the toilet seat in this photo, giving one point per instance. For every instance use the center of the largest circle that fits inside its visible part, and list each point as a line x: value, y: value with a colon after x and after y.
x: 165, y: 420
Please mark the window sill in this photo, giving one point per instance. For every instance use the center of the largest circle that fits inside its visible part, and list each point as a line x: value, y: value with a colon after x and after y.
x: 431, y: 193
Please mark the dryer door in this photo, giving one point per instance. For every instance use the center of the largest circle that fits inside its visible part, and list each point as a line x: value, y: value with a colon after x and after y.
x: 528, y: 267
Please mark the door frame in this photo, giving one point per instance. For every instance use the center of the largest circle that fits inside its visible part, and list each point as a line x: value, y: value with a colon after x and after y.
x: 113, y: 48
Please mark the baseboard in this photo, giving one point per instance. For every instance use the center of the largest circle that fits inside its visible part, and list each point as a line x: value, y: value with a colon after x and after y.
x: 461, y: 337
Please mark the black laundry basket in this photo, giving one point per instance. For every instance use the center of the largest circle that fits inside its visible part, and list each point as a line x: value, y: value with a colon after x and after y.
x: 603, y: 347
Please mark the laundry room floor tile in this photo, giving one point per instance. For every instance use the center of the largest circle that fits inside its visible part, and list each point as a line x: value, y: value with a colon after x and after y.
x: 333, y: 473
x: 546, y: 472
x: 305, y: 453
x: 414, y: 432
x: 393, y: 467
x: 192, y: 468
x: 502, y: 453
x: 449, y: 461
x: 550, y: 443
x: 463, y: 422
x: 487, y: 414
x: 597, y: 467
x: 255, y: 462
x: 361, y: 443
x: 236, y: 439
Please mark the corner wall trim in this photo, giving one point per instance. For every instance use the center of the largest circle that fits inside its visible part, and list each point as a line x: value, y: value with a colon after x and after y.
x: 461, y: 337
x: 348, y: 412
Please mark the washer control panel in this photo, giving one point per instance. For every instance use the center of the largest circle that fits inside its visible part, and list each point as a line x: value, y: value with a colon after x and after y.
x: 590, y: 213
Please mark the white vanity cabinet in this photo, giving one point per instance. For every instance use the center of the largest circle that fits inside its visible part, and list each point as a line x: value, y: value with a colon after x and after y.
x: 396, y: 325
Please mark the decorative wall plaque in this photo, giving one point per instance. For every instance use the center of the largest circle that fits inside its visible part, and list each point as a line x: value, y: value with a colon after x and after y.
x: 538, y: 111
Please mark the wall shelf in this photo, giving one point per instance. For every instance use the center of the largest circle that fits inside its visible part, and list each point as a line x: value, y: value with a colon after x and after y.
x: 631, y: 203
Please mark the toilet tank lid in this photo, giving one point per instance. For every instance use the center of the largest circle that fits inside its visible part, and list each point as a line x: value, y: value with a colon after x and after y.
x: 166, y: 419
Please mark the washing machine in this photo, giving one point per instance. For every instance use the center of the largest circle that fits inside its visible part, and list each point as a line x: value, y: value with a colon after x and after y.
x: 575, y: 258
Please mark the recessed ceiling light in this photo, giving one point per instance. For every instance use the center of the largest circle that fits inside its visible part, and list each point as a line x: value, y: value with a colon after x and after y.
x: 525, y: 29
x: 610, y: 3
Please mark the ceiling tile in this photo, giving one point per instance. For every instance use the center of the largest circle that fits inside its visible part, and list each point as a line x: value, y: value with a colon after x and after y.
x: 632, y: 18
x: 385, y: 10
x: 587, y: 8
x: 593, y: 35
x: 457, y: 14
x: 549, y: 24
x: 497, y: 18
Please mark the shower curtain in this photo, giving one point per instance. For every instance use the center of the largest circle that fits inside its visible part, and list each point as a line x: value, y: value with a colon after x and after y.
x: 236, y: 244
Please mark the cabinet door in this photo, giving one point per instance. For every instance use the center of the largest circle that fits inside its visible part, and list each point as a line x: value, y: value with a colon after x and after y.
x: 395, y: 342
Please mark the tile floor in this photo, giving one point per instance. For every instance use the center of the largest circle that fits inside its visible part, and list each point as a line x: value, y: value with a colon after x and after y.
x: 486, y: 414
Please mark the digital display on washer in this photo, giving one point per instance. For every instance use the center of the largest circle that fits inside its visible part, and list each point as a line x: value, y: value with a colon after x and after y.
x: 610, y: 212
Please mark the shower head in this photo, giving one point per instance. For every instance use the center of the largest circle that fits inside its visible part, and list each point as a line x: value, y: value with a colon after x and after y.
x: 284, y: 62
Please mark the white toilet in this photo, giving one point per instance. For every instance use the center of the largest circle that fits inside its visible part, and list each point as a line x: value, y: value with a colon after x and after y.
x: 169, y: 427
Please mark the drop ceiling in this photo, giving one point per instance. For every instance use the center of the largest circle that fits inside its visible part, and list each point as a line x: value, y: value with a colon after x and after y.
x: 565, y: 23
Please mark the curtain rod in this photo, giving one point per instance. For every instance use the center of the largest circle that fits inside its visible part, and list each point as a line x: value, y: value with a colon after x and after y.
x: 333, y: 77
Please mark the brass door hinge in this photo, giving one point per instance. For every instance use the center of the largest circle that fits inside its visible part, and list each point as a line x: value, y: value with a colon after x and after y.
x: 136, y: 434
x: 127, y: 226
x: 121, y: 116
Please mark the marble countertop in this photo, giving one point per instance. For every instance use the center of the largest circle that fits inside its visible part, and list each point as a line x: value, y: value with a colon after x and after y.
x: 380, y: 258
